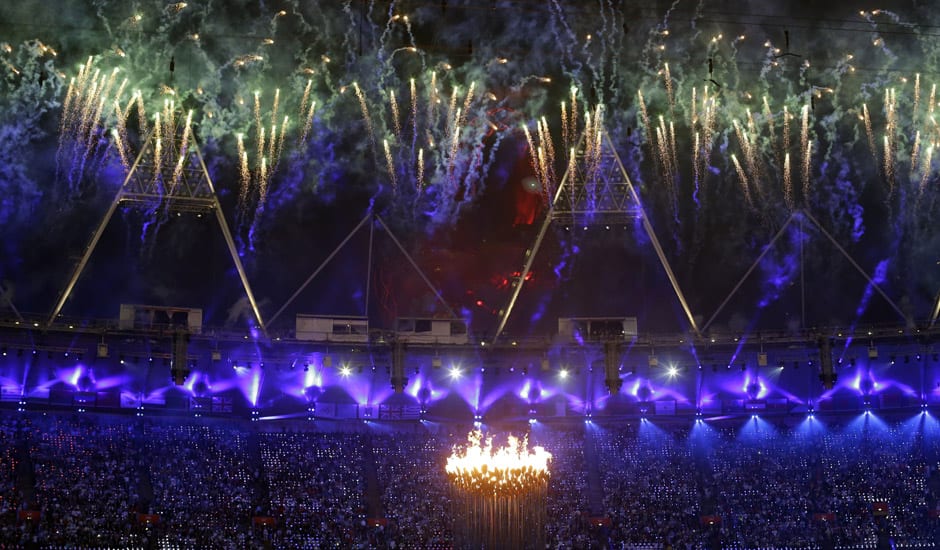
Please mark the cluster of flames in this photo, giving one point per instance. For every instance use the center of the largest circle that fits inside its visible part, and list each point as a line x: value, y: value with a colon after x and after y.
x: 508, y: 470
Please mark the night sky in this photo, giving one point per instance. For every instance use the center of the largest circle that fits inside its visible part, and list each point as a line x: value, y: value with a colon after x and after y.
x: 798, y: 115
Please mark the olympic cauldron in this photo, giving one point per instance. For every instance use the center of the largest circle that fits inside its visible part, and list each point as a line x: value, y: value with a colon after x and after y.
x: 498, y: 494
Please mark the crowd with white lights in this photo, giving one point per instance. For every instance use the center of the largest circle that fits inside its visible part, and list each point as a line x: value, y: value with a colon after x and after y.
x: 415, y: 499
x: 760, y: 485
x: 94, y: 481
x: 315, y: 489
x: 11, y: 496
x: 87, y: 479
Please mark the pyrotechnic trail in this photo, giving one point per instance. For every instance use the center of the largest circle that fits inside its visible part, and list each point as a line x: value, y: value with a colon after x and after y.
x: 270, y: 148
x: 183, y: 149
x: 545, y: 138
x: 419, y: 180
x: 396, y: 117
x: 565, y: 131
x: 157, y: 147
x: 695, y: 138
x: 743, y: 177
x: 533, y: 155
x: 390, y: 163
x: 84, y: 120
x: 245, y: 175
x: 444, y: 150
x: 805, y: 147
x: 414, y: 116
x: 308, y: 124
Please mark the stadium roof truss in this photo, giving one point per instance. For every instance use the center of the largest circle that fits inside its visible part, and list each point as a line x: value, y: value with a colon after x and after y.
x: 167, y: 175
x: 594, y: 190
x: 798, y: 217
x: 372, y: 220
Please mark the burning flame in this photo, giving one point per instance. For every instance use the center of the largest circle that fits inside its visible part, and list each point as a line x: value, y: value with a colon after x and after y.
x: 510, y: 469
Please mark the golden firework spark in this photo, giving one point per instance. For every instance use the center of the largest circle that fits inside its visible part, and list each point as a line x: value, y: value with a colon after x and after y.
x: 806, y: 150
x: 420, y: 178
x: 743, y: 177
x: 396, y: 118
x: 308, y: 124
x: 244, y: 172
x: 565, y: 132
x: 304, y: 101
x: 390, y: 165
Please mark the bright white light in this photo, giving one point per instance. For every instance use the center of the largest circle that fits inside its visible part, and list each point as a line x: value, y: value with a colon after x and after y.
x: 673, y: 372
x: 345, y: 371
x: 455, y: 372
x: 563, y: 374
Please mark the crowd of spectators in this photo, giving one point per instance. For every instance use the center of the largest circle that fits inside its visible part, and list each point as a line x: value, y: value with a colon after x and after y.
x: 416, y: 494
x: 91, y: 481
x: 10, y: 494
x: 316, y: 489
x: 650, y: 486
x: 86, y: 479
x: 567, y: 506
x: 860, y: 484
x: 202, y: 483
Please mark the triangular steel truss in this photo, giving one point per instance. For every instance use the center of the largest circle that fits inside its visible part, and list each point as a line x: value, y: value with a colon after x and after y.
x: 594, y: 190
x: 372, y: 220
x: 170, y: 175
x: 798, y: 217
x: 178, y: 183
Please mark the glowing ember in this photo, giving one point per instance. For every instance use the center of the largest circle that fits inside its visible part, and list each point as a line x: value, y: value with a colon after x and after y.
x: 481, y: 468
